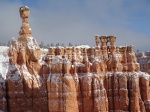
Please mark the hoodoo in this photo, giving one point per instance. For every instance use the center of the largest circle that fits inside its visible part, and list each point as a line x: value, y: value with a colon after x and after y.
x: 104, y: 78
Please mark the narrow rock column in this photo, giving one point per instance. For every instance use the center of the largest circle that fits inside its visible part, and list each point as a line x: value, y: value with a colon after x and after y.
x: 99, y: 93
x: 70, y: 101
x: 116, y: 92
x: 86, y: 88
x: 39, y: 93
x: 145, y: 91
x: 134, y: 92
x: 123, y: 92
x: 110, y: 91
x: 55, y: 86
x: 77, y: 85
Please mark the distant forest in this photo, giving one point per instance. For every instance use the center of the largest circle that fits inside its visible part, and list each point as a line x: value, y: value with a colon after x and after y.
x: 4, y: 44
x: 42, y: 44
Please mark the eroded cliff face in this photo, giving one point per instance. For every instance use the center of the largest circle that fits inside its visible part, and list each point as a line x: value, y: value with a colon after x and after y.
x: 26, y: 78
x: 72, y: 79
x: 3, y: 102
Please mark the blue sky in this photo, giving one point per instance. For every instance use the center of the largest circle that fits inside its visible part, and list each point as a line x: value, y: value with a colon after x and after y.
x: 78, y: 21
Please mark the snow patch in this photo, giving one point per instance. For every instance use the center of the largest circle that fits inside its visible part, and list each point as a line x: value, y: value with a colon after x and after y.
x: 66, y: 61
x: 57, y: 59
x: 83, y: 46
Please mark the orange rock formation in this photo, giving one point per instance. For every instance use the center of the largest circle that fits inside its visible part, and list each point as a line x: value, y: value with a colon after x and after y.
x: 73, y: 79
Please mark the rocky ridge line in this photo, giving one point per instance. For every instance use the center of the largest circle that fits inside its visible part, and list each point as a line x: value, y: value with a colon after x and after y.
x: 72, y: 79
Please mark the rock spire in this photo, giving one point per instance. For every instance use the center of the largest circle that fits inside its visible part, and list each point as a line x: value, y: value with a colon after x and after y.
x: 104, y: 78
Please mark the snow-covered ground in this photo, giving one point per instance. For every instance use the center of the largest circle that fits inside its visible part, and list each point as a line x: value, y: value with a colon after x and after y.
x: 4, y: 60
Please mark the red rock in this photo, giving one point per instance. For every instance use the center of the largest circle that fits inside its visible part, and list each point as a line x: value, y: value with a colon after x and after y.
x: 72, y: 79
x: 3, y: 101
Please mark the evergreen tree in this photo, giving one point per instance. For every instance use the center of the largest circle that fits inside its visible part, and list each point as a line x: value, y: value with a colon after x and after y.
x: 41, y: 45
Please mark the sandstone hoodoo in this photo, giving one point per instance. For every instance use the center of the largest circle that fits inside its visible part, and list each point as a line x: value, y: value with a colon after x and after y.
x: 104, y: 78
x: 26, y: 82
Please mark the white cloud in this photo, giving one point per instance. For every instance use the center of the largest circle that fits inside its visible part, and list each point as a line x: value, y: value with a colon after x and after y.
x: 76, y: 22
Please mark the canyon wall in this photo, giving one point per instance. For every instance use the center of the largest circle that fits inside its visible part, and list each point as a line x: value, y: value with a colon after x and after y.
x: 72, y: 79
